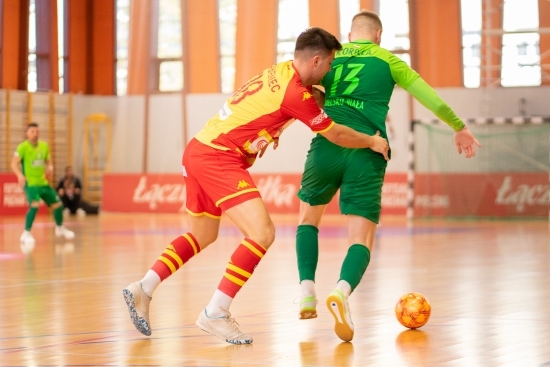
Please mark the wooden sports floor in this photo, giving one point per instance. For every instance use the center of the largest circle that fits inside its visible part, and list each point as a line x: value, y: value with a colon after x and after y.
x: 488, y: 283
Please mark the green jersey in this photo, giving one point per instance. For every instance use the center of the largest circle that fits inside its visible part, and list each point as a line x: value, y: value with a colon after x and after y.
x: 33, y: 161
x: 360, y: 83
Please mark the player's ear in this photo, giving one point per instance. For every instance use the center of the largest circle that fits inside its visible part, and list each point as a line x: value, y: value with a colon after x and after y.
x: 317, y: 59
x: 379, y: 36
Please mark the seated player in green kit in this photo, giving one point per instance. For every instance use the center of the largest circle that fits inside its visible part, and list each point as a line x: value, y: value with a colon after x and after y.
x: 358, y: 90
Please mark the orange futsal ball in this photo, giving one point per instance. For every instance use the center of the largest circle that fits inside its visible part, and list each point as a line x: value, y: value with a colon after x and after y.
x: 413, y: 310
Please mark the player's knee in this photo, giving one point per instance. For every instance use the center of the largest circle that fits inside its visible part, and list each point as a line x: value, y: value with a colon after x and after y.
x: 56, y: 205
x: 265, y: 235
x: 206, y: 239
x: 35, y: 204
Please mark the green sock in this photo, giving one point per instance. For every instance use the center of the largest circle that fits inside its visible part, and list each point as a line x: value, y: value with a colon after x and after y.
x: 58, y: 215
x: 355, y: 264
x: 31, y: 214
x: 307, y: 251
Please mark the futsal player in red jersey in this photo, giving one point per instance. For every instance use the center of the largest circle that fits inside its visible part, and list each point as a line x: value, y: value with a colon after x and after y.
x: 215, y: 167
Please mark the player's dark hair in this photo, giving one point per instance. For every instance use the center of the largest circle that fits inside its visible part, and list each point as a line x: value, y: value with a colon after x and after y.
x: 31, y: 124
x: 316, y: 40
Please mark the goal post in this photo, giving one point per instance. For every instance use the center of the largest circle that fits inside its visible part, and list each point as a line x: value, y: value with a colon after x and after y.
x: 508, y: 177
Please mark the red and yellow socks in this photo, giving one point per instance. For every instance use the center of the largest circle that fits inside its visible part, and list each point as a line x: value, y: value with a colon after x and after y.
x: 177, y: 253
x: 241, y: 266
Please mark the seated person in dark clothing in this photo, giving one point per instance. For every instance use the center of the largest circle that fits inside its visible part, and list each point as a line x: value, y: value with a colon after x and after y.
x: 69, y: 188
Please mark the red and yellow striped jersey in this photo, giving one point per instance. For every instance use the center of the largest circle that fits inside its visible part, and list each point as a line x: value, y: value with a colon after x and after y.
x: 261, y: 109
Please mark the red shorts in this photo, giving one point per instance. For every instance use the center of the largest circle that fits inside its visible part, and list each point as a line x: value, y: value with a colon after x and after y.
x: 215, y: 179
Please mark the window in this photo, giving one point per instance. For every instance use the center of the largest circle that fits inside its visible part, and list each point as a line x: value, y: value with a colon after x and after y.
x: 169, y: 46
x: 520, y: 54
x: 122, y: 36
x: 348, y: 9
x: 293, y: 20
x: 520, y: 61
x: 394, y: 15
x: 61, y: 44
x: 32, y: 79
x: 228, y: 28
x: 471, y: 42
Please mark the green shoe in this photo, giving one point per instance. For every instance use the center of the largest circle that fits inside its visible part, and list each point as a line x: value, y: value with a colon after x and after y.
x: 338, y: 306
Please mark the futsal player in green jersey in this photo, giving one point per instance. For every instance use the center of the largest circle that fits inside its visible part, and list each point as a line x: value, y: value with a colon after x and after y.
x: 357, y: 93
x: 32, y: 163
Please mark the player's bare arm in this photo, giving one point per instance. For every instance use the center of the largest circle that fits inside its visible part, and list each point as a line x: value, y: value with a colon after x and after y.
x: 49, y: 168
x: 319, y: 95
x: 349, y: 138
x: 16, y: 168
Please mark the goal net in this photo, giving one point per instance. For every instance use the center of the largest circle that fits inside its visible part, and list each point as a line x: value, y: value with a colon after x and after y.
x: 508, y: 177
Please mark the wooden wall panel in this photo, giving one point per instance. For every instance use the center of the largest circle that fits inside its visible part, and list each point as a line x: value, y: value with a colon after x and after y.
x: 325, y: 14
x: 436, y: 41
x: 139, y: 44
x: 544, y: 22
x: 15, y: 50
x: 203, y: 56
x: 103, y: 47
x: 256, y: 42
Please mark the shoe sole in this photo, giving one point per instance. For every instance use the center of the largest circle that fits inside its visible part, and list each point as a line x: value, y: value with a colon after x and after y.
x: 308, y: 314
x: 236, y: 342
x: 341, y: 327
x: 139, y: 322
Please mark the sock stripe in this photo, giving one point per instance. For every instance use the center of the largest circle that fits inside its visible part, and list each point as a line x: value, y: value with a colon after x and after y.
x: 192, y: 241
x: 239, y: 271
x: 236, y: 275
x: 253, y: 248
x: 174, y: 256
x: 168, y: 263
x: 234, y: 279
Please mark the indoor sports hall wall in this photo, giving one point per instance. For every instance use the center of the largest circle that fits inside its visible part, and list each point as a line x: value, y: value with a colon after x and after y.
x: 277, y: 172
x: 165, y: 133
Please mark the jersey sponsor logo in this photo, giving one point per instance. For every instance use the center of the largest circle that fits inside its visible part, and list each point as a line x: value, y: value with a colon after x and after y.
x: 306, y: 96
x: 224, y: 112
x: 38, y: 163
x: 319, y: 118
x: 242, y: 184
x: 259, y: 144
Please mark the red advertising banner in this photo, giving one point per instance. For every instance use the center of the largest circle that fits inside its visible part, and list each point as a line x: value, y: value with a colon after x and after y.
x: 488, y: 194
x: 165, y: 193
x: 12, y: 197
x: 514, y: 194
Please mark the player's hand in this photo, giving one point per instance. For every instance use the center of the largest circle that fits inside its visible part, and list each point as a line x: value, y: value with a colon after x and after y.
x: 275, y: 145
x: 380, y: 145
x: 465, y: 141
x: 21, y: 180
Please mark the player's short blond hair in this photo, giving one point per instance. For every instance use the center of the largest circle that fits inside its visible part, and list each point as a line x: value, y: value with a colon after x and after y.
x: 370, y: 15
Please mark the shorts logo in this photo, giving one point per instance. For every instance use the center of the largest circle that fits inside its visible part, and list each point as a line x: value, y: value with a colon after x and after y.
x: 305, y: 96
x: 242, y: 184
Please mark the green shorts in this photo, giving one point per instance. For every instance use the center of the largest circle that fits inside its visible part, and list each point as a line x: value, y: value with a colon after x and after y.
x: 46, y: 193
x: 358, y: 173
